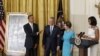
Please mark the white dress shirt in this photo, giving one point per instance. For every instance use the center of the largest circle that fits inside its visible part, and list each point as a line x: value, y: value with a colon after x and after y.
x: 31, y: 24
x: 51, y: 29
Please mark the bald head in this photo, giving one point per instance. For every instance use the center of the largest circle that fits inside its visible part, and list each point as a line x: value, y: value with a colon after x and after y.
x: 51, y: 21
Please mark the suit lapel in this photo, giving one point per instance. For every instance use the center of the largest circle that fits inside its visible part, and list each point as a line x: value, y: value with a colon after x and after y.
x: 49, y: 29
x: 33, y: 27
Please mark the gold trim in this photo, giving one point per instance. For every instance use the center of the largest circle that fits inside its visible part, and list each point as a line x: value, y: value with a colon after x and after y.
x: 6, y: 35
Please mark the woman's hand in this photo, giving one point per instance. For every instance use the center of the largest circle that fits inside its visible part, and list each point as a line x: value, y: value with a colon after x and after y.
x: 35, y: 46
x: 85, y: 36
x: 71, y: 49
x: 58, y: 48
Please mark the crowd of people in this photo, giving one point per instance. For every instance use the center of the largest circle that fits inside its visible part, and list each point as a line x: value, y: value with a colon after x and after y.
x: 56, y: 37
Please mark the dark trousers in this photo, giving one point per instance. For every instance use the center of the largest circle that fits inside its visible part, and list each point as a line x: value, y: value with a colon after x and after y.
x: 49, y: 49
x: 31, y: 52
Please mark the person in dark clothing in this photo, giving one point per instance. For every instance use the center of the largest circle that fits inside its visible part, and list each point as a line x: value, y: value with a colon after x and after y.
x: 32, y: 37
x: 60, y: 24
x: 51, y: 38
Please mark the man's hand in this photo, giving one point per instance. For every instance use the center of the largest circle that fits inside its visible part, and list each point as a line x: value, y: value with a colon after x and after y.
x: 39, y: 32
x: 35, y: 46
x: 58, y: 35
x: 58, y: 48
x: 43, y: 46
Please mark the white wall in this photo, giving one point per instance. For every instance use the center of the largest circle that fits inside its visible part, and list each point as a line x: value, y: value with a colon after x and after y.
x: 80, y: 10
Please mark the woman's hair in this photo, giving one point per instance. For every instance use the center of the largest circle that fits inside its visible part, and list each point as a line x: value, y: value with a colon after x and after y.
x: 68, y: 23
x: 93, y: 21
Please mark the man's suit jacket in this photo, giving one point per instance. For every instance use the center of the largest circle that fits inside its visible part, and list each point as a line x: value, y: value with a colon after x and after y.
x: 31, y: 37
x: 51, y: 39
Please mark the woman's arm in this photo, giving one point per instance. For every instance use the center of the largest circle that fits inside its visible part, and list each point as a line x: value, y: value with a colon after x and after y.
x: 97, y: 34
x: 72, y: 44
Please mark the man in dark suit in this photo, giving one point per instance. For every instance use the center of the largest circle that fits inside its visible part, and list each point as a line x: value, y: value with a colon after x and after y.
x: 32, y: 37
x: 51, y: 38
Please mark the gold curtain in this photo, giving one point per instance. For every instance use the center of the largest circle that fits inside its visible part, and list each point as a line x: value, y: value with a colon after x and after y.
x: 66, y: 9
x: 41, y: 10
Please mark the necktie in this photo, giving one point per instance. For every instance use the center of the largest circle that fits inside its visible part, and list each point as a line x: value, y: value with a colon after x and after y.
x: 51, y: 29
